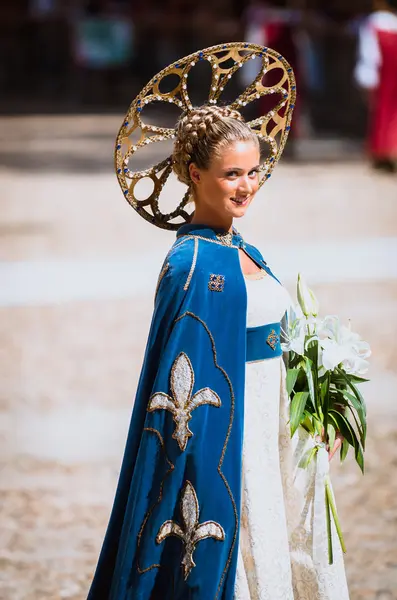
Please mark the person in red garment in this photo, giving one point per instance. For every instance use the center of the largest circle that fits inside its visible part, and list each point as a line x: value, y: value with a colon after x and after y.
x: 376, y: 72
x: 274, y: 25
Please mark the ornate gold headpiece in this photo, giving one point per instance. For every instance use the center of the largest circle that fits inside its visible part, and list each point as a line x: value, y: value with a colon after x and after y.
x: 272, y: 127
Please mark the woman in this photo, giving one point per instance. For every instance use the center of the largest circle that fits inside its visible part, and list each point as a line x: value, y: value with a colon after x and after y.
x: 376, y: 72
x: 208, y: 505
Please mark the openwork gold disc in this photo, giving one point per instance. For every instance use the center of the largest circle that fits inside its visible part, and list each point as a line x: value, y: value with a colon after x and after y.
x: 271, y: 128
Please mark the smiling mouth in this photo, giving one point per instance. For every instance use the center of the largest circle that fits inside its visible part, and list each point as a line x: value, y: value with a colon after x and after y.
x: 240, y: 201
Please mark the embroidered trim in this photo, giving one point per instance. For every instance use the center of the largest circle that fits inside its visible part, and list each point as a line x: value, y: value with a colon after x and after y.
x: 216, y: 283
x: 186, y: 286
x: 272, y: 339
x: 229, y: 430
x: 178, y: 243
x: 160, y: 278
x: 191, y: 533
x: 167, y: 265
x: 181, y: 404
x: 159, y: 499
x: 225, y: 238
x: 201, y: 237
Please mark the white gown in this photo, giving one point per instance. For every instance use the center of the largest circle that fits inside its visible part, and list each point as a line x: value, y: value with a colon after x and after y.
x: 283, y: 550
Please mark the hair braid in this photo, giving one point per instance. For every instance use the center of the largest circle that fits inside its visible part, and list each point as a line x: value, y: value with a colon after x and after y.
x: 201, y: 132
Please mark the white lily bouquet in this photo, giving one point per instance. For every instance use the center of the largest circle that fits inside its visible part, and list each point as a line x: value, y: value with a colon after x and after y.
x: 326, y: 363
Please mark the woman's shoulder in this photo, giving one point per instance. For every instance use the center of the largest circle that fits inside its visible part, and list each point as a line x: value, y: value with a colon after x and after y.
x: 180, y: 255
x: 183, y: 256
x: 177, y: 263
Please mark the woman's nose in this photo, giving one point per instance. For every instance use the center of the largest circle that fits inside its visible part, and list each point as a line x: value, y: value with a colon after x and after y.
x: 245, y: 186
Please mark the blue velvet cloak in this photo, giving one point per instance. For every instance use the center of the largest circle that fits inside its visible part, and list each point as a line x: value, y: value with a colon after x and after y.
x: 174, y: 527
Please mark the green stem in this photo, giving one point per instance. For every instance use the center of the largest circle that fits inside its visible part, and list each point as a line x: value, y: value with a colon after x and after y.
x: 331, y: 502
x: 329, y: 532
x: 326, y: 406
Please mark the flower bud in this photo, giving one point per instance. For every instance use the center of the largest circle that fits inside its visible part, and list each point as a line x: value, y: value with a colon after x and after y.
x: 306, y: 298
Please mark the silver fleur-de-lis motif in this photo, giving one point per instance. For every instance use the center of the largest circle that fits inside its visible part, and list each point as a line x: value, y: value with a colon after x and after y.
x: 191, y: 532
x: 182, y: 403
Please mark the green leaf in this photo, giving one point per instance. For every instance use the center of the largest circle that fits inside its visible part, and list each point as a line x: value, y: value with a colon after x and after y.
x: 360, y: 459
x: 358, y: 426
x: 307, y: 365
x: 358, y: 407
x: 318, y: 424
x: 307, y: 422
x: 359, y: 397
x: 349, y: 434
x: 324, y: 396
x: 311, y: 345
x: 307, y: 458
x: 344, y: 449
x: 357, y: 379
x: 353, y: 388
x: 292, y: 375
x: 336, y: 378
x: 294, y: 359
x: 297, y: 409
x: 331, y: 435
x: 343, y: 425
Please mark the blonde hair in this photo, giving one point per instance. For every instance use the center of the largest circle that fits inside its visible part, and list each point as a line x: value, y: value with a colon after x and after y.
x: 202, y: 133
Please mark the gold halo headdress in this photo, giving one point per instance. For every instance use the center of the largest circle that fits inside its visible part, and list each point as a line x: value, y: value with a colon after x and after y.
x: 272, y: 127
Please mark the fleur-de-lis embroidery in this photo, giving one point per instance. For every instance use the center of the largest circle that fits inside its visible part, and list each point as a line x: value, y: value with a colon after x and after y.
x: 182, y: 403
x: 272, y: 339
x: 191, y: 532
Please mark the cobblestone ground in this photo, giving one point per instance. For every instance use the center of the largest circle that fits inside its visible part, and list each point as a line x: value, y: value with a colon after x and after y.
x: 69, y: 368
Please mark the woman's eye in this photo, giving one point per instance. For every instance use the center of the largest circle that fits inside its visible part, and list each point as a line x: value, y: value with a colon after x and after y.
x: 235, y: 173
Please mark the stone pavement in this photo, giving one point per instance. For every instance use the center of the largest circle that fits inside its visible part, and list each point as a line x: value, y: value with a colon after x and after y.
x: 75, y: 300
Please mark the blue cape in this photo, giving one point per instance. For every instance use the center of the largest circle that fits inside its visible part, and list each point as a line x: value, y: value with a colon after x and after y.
x: 174, y: 527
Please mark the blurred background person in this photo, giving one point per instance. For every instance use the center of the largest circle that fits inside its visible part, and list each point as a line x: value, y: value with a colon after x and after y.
x: 376, y: 72
x: 274, y: 24
x: 102, y: 49
x: 47, y: 52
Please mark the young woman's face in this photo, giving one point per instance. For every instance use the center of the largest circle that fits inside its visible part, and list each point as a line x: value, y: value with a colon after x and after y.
x: 225, y: 190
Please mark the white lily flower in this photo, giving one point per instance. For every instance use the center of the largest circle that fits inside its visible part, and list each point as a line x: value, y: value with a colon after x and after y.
x: 297, y: 344
x: 332, y: 354
x: 295, y: 335
x: 330, y: 328
x: 339, y: 345
x: 306, y: 298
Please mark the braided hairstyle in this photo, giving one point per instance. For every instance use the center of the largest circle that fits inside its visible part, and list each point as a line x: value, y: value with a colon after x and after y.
x: 202, y: 133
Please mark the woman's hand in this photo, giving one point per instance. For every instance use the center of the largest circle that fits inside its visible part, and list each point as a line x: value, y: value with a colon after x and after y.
x: 338, y: 437
x: 337, y: 444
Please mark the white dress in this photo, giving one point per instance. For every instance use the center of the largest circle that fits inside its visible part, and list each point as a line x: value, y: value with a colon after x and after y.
x: 283, y: 550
